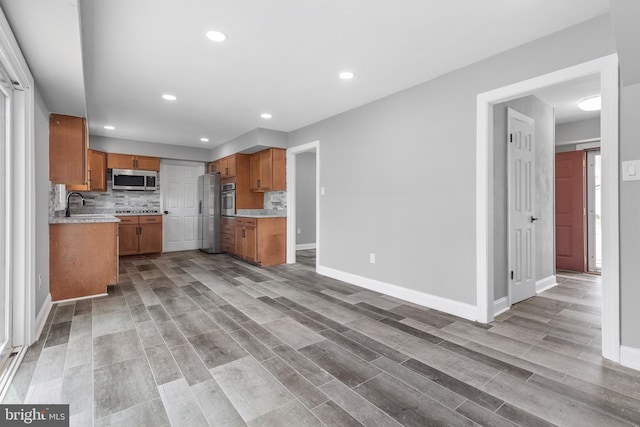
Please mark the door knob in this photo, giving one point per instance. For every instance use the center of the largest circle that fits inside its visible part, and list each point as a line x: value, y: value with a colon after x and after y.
x: 166, y: 212
x: 534, y: 219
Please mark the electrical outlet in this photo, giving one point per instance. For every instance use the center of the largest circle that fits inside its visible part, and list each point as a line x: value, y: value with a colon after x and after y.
x: 299, y: 231
x: 39, y: 281
x: 372, y: 258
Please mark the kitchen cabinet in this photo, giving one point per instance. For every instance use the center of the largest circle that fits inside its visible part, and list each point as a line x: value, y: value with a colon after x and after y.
x: 97, y: 173
x: 268, y: 170
x: 140, y: 234
x: 128, y: 161
x: 227, y: 166
x: 210, y: 167
x: 227, y: 235
x: 68, y: 136
x: 83, y: 259
x: 261, y: 241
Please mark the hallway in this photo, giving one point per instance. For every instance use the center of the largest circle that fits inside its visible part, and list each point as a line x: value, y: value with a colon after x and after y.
x: 190, y: 339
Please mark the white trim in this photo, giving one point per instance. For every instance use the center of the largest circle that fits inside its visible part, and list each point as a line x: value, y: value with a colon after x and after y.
x: 63, y: 301
x: 42, y: 315
x: 500, y: 306
x: 607, y: 67
x: 630, y: 357
x: 460, y: 309
x: 588, y: 145
x: 304, y: 246
x: 546, y: 283
x: 313, y: 146
x: 577, y: 141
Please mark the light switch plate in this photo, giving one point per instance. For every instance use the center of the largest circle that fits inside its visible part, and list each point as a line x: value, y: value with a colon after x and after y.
x: 631, y: 170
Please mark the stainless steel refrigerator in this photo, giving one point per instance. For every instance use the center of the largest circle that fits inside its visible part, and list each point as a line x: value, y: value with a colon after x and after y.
x: 209, y: 213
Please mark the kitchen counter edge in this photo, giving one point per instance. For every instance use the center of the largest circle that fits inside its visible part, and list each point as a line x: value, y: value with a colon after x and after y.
x: 82, y: 220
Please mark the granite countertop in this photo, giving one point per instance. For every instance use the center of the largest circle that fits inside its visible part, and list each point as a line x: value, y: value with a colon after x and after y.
x: 82, y: 219
x: 261, y: 213
x: 138, y: 214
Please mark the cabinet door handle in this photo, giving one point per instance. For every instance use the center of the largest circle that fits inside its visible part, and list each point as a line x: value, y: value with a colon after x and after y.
x: 258, y: 183
x: 226, y: 171
x: 243, y: 231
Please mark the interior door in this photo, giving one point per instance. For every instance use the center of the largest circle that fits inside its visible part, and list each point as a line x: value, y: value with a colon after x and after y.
x: 522, y: 215
x: 570, y: 211
x: 178, y: 188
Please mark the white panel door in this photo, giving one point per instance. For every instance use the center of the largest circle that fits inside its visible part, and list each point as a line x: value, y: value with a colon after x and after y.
x: 178, y: 186
x: 522, y: 217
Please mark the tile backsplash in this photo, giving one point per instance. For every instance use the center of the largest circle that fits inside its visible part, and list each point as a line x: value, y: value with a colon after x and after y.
x: 110, y: 201
x: 275, y: 200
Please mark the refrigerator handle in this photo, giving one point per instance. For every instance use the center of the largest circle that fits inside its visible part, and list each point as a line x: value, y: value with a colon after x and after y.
x: 200, y: 207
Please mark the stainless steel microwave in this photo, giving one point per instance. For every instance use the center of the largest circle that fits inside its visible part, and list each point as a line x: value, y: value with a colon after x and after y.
x: 126, y: 179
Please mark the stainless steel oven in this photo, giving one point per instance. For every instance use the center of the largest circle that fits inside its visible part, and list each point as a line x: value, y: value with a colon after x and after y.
x: 228, y: 196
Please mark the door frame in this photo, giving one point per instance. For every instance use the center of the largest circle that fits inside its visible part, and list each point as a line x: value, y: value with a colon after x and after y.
x: 591, y: 234
x: 292, y: 152
x: 512, y: 113
x: 607, y: 68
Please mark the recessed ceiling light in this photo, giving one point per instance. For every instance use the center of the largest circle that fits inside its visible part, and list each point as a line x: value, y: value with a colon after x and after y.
x: 346, y: 75
x: 217, y: 36
x: 593, y: 103
x: 169, y: 97
x: 109, y: 127
x: 204, y: 139
x: 266, y: 115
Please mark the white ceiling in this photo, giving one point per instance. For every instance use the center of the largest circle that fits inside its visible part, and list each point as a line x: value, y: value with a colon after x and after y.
x: 282, y: 56
x: 564, y: 98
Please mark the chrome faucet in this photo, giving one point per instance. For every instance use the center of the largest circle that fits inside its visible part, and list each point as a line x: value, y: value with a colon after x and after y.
x: 68, y: 211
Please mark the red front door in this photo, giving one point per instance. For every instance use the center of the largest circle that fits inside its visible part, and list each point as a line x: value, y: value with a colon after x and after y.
x: 570, y: 211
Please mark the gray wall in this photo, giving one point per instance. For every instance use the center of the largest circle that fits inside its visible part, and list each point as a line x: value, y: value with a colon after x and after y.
x: 544, y: 149
x: 144, y: 148
x: 630, y: 217
x: 42, y: 199
x: 306, y: 198
x: 252, y: 142
x: 578, y: 131
x: 400, y: 172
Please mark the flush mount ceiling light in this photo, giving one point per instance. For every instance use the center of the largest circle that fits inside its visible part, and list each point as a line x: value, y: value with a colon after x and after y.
x: 266, y: 115
x: 217, y: 36
x: 204, y: 139
x: 346, y: 75
x: 169, y: 97
x: 593, y: 103
x: 109, y: 127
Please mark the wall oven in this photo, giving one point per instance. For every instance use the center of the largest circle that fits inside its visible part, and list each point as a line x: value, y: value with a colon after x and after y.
x: 126, y: 179
x: 228, y: 196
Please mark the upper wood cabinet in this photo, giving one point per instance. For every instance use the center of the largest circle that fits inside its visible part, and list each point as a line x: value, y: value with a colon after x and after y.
x: 226, y: 166
x: 268, y: 170
x: 97, y: 173
x: 128, y: 161
x: 210, y: 167
x: 67, y: 149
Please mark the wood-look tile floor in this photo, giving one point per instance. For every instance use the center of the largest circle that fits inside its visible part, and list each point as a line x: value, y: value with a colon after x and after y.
x: 190, y: 339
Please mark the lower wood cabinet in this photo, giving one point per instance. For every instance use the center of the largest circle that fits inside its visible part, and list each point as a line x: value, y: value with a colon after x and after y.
x: 83, y: 259
x: 140, y: 234
x: 228, y: 235
x: 261, y: 241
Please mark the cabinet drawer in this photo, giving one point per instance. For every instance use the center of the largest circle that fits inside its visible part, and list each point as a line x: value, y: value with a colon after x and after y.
x: 227, y: 247
x: 146, y: 219
x: 246, y: 221
x: 227, y: 228
x: 228, y: 238
x: 128, y: 219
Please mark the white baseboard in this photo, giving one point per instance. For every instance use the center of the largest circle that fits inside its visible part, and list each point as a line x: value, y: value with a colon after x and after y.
x: 546, y: 283
x: 41, y: 319
x: 303, y: 246
x: 500, y: 306
x: 460, y: 309
x: 630, y: 357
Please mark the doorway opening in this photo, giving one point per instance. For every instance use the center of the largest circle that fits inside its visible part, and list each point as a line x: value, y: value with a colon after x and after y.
x: 607, y: 69
x: 303, y: 204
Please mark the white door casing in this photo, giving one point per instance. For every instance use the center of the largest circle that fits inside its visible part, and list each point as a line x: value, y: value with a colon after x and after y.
x: 178, y: 186
x: 521, y: 167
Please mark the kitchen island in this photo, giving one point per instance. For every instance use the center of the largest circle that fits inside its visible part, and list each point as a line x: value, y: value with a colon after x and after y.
x: 83, y: 255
